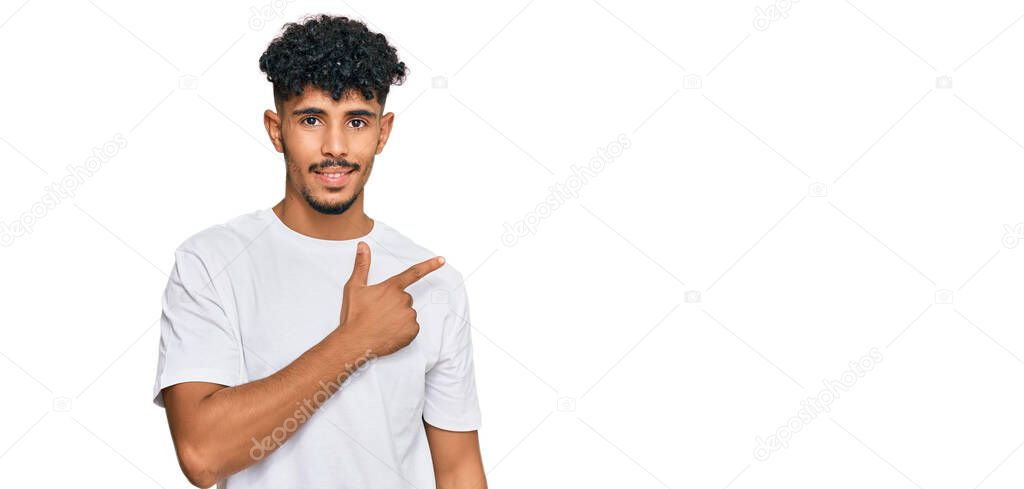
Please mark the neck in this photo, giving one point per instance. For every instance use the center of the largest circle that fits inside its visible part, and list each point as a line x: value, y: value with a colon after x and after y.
x: 295, y: 213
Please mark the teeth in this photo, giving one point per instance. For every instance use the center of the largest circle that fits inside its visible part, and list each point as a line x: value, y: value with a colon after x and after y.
x: 334, y: 175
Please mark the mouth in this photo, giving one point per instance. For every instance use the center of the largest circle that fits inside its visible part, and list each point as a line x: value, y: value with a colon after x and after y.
x: 334, y: 177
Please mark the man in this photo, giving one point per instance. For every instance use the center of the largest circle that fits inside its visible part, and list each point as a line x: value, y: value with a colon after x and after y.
x: 288, y: 357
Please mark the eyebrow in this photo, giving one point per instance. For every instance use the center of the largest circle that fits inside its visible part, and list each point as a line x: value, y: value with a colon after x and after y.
x: 319, y: 111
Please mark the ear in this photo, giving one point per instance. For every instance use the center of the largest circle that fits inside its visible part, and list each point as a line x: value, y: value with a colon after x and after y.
x: 273, y: 124
x: 385, y: 130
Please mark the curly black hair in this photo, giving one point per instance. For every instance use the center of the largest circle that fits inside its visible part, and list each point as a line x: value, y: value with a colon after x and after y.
x: 335, y: 54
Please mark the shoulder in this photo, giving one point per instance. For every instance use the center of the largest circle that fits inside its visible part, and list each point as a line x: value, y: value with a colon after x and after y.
x: 219, y: 244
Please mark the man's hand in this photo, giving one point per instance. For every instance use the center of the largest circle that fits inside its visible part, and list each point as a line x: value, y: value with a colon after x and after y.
x: 381, y: 317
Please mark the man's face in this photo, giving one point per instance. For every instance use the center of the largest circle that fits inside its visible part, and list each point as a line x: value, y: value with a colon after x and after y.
x: 329, y: 146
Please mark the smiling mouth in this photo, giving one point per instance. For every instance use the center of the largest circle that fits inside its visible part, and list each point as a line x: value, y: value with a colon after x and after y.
x: 334, y: 177
x: 334, y: 173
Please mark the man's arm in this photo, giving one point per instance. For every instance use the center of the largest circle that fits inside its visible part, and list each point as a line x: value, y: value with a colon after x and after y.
x: 214, y: 427
x: 457, y: 460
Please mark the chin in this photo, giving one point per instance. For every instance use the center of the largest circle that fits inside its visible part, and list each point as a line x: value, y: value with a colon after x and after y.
x: 330, y: 203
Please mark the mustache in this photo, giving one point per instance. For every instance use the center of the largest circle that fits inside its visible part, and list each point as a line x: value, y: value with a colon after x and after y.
x: 329, y: 164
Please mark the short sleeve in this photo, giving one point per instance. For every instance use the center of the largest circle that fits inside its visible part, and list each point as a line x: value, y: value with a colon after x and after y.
x: 451, y: 397
x: 197, y: 340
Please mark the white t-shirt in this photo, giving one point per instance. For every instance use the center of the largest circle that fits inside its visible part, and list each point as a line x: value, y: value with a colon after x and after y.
x: 247, y: 297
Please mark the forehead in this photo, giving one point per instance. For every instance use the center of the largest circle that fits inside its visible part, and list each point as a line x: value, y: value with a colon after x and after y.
x: 313, y: 96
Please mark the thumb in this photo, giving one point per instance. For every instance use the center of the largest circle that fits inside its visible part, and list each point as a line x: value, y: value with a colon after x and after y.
x: 361, y: 267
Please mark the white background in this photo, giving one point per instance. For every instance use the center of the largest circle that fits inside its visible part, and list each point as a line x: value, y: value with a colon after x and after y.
x: 814, y: 178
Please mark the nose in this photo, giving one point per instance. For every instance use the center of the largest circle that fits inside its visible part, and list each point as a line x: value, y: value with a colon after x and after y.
x: 334, y: 143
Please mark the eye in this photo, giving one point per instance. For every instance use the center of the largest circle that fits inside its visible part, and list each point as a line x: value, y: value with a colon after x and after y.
x: 360, y: 121
x: 311, y: 118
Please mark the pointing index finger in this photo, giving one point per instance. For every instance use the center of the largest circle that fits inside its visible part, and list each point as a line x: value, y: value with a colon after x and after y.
x: 417, y: 271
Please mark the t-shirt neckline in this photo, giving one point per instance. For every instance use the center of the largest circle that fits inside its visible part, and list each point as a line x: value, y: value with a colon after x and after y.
x: 283, y: 228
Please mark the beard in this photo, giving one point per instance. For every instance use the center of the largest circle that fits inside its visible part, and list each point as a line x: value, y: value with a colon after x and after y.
x: 317, y: 205
x: 326, y: 207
